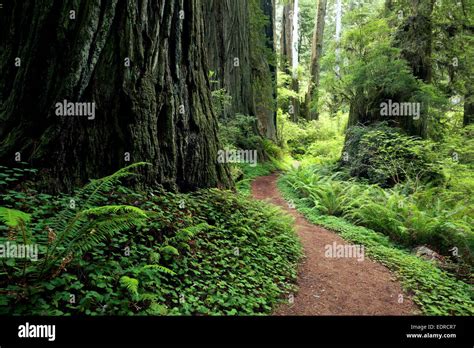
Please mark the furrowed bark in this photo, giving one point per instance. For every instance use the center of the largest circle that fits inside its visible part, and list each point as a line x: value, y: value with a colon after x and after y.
x: 239, y: 67
x: 158, y: 109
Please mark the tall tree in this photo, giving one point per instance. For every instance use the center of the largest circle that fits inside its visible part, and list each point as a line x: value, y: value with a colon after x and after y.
x: 338, y: 35
x: 234, y: 43
x: 316, y: 53
x: 289, y: 51
x: 141, y: 63
x: 468, y: 117
x: 414, y: 38
x: 264, y: 69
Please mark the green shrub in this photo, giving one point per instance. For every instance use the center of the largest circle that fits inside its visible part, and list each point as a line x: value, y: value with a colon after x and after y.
x: 384, y: 155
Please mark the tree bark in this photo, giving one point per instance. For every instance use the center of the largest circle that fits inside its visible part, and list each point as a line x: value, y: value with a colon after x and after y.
x: 228, y: 51
x: 265, y: 73
x: 414, y: 37
x: 237, y: 64
x: 157, y: 110
x: 316, y: 52
x: 469, y: 107
x: 287, y: 53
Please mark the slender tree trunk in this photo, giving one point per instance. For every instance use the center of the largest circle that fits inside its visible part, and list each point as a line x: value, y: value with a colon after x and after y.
x: 286, y: 36
x: 295, y: 57
x: 142, y: 64
x: 316, y: 52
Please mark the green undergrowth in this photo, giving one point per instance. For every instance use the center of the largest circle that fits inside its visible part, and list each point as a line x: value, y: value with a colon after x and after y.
x: 434, y: 290
x: 210, y: 252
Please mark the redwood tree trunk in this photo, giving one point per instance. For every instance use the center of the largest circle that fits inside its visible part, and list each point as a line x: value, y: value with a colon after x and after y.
x: 158, y: 109
x: 238, y: 66
x: 286, y: 54
x: 316, y: 53
x: 469, y: 107
x: 265, y: 74
x: 414, y: 37
x: 227, y: 40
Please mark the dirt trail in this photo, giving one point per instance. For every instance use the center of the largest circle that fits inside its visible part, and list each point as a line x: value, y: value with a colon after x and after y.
x: 334, y: 286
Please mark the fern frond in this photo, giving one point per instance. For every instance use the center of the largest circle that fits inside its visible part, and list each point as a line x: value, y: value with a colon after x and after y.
x: 13, y: 217
x: 114, y: 209
x: 97, y: 186
x: 189, y: 232
x: 161, y: 269
x: 131, y: 284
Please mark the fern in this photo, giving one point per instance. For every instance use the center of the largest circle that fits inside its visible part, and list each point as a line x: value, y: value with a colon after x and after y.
x: 13, y: 218
x: 131, y: 284
x: 160, y: 268
x: 187, y: 233
x: 169, y: 251
x: 80, y: 231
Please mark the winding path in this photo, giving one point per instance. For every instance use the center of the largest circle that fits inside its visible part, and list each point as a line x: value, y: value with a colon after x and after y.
x: 335, y: 286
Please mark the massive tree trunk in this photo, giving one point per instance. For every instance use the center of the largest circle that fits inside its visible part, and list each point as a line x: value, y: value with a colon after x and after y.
x: 288, y: 51
x: 141, y: 63
x: 237, y: 65
x: 316, y: 52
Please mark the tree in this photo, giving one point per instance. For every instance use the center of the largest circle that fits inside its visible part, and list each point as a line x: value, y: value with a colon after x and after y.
x: 142, y: 66
x: 469, y: 108
x: 384, y: 70
x: 239, y: 41
x: 414, y: 37
x: 289, y: 51
x: 264, y: 69
x: 316, y: 52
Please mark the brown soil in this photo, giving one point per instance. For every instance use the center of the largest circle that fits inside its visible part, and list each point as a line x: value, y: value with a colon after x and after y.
x: 334, y: 286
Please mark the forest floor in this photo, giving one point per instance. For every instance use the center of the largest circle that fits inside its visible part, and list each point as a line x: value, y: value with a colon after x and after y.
x: 334, y: 286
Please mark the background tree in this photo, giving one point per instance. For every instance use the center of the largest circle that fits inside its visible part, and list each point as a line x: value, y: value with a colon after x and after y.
x: 289, y: 39
x: 316, y: 52
x: 239, y: 44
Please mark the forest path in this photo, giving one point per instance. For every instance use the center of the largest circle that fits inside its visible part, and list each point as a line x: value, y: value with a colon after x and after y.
x: 334, y: 286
